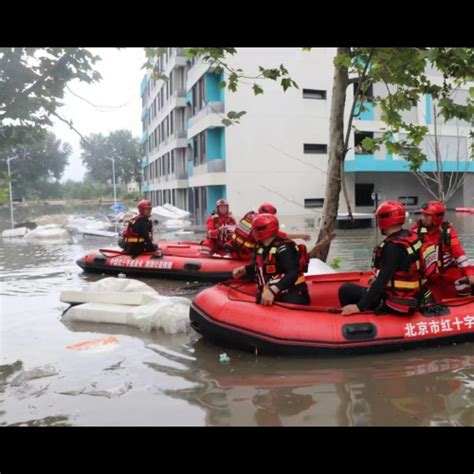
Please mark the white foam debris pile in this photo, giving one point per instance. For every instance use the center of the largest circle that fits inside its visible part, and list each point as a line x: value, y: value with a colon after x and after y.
x: 130, y: 302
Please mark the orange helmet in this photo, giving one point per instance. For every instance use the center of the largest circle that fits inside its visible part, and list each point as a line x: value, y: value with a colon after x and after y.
x: 390, y: 213
x: 267, y: 208
x: 435, y: 209
x: 265, y: 226
x: 144, y: 204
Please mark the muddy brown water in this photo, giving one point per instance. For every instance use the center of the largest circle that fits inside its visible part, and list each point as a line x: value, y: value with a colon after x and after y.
x: 159, y: 379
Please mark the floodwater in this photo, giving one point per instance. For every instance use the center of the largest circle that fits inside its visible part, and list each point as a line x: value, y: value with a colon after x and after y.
x: 177, y: 380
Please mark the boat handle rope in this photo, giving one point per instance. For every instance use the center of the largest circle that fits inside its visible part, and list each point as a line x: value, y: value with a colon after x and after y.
x: 294, y: 307
x: 452, y: 302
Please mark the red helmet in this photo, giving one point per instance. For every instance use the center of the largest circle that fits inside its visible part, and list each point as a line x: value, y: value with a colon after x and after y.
x: 435, y: 209
x: 390, y: 213
x: 267, y: 208
x: 144, y: 204
x: 265, y: 226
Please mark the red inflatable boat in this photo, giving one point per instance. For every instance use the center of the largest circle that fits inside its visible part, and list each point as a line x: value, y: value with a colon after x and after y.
x: 177, y: 260
x: 228, y: 315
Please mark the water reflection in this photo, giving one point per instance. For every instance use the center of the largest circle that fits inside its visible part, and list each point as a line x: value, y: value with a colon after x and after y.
x: 425, y: 387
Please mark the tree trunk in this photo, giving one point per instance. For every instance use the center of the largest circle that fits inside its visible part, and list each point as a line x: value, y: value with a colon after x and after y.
x: 336, y: 153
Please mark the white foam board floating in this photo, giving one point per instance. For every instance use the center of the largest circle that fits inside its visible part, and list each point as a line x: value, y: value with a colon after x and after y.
x: 47, y: 233
x: 318, y: 267
x: 15, y: 233
x: 140, y: 306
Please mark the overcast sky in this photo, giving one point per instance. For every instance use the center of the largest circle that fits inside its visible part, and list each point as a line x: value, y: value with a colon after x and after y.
x: 120, y: 87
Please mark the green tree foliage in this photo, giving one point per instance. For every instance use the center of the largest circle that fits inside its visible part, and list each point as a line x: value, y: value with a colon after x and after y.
x: 32, y: 83
x: 121, y: 146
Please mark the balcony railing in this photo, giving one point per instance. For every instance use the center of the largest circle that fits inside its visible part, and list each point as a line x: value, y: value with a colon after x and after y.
x: 181, y: 175
x: 210, y: 108
x: 216, y: 166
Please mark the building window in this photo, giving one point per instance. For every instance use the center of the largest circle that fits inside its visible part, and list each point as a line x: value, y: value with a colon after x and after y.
x: 358, y: 138
x: 315, y: 148
x: 196, y: 150
x: 195, y: 101
x: 199, y: 149
x: 363, y: 194
x: 368, y: 95
x: 172, y: 122
x: 199, y: 95
x: 202, y: 86
x: 314, y: 94
x: 408, y: 200
x: 203, y: 148
x: 313, y: 202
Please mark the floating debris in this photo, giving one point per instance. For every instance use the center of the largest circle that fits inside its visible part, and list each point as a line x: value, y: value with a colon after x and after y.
x: 224, y: 358
x: 37, y: 373
x: 84, y: 345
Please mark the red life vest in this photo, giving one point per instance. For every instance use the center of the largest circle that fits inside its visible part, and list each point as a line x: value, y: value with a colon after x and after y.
x: 242, y: 236
x: 132, y: 237
x: 443, y: 245
x: 217, y: 221
x: 267, y: 272
x: 429, y: 252
x: 405, y: 291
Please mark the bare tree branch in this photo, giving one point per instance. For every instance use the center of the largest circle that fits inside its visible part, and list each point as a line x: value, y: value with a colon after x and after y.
x: 69, y: 124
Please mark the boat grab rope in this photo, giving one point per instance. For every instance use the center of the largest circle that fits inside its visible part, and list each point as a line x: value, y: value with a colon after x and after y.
x: 452, y: 302
x: 295, y: 307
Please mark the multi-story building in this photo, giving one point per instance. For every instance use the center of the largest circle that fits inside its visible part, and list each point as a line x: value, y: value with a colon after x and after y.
x: 278, y: 152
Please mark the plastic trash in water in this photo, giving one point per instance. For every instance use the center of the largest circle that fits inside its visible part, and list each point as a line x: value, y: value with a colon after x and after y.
x: 80, y: 346
x: 122, y: 275
x: 37, y: 373
x: 224, y: 358
x: 68, y: 274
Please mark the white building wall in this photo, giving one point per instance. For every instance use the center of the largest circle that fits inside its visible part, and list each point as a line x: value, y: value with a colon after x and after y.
x: 264, y: 153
